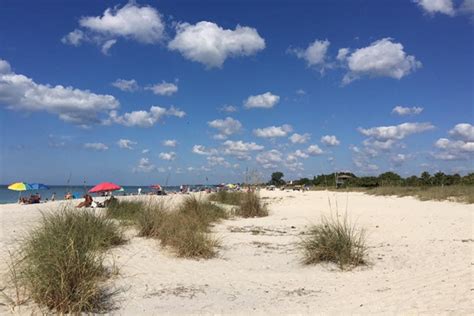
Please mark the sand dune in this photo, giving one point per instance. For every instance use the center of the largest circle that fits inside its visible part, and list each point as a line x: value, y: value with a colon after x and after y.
x: 421, y: 261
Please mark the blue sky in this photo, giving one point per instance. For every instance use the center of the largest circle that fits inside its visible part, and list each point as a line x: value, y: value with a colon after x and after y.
x: 141, y: 92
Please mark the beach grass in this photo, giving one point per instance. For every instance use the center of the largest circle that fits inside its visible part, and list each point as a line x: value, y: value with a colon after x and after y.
x: 456, y: 193
x: 335, y: 240
x: 60, y: 263
x: 126, y: 211
x: 249, y: 204
x: 184, y: 229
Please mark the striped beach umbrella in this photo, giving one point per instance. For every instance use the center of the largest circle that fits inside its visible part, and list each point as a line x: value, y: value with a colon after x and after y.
x: 20, y: 186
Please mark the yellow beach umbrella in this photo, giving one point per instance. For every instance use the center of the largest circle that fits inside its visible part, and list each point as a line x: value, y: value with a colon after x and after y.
x: 20, y: 186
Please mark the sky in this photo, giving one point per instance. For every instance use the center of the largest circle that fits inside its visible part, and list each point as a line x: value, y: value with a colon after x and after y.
x: 195, y: 92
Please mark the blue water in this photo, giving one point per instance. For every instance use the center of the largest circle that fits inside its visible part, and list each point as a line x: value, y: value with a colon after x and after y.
x: 8, y: 196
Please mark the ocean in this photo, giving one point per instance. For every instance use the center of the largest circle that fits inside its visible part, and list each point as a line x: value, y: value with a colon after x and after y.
x: 8, y: 196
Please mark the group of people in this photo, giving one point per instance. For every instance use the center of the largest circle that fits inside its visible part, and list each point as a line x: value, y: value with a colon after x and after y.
x: 34, y: 199
x: 89, y: 202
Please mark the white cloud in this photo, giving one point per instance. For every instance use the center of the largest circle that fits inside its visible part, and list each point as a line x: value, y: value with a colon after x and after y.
x: 463, y: 131
x: 436, y: 6
x: 400, y: 110
x: 168, y: 156
x: 399, y: 159
x: 299, y: 139
x: 145, y: 151
x: 314, y: 54
x: 144, y: 118
x: 266, y: 100
x: 384, y: 133
x: 373, y: 146
x: 297, y: 154
x: 383, y: 58
x: 228, y: 109
x: 226, y: 127
x: 164, y: 88
x: 139, y: 23
x: 202, y: 150
x: 126, y: 143
x: 82, y: 107
x: 126, y: 85
x: 217, y: 161
x: 144, y: 165
x: 170, y: 142
x: 457, y: 145
x: 300, y: 92
x: 273, y: 131
x: 330, y: 140
x: 107, y: 45
x: 270, y: 158
x: 342, y: 54
x: 314, y: 150
x: 96, y: 146
x: 240, y: 149
x: 209, y: 44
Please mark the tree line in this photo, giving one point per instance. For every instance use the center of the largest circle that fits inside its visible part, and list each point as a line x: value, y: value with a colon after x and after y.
x: 384, y: 179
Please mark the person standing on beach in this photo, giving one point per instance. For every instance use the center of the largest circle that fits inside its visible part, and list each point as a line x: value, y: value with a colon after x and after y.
x: 139, y: 191
x: 53, y: 196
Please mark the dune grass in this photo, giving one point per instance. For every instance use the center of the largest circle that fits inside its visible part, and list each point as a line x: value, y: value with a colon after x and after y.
x: 60, y: 263
x: 335, y: 240
x: 125, y: 211
x: 184, y: 229
x: 459, y: 193
x: 249, y: 204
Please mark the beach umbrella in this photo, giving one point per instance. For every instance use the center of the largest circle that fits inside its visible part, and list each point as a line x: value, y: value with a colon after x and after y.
x: 39, y: 186
x: 156, y: 187
x: 105, y: 187
x: 19, y: 186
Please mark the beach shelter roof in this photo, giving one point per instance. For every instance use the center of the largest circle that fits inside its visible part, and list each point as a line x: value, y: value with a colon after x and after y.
x: 105, y: 187
x: 20, y: 186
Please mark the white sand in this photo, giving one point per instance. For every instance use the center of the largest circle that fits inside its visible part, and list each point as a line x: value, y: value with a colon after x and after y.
x: 421, y: 255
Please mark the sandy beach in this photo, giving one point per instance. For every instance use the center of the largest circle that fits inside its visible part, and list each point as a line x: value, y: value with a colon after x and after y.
x: 421, y: 261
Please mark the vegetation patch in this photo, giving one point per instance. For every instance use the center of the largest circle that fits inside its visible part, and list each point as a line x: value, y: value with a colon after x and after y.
x: 60, y: 263
x: 251, y: 206
x: 335, y: 240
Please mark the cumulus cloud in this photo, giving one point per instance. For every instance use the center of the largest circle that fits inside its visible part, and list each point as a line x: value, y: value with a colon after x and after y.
x: 314, y: 54
x: 202, y: 150
x: 139, y: 23
x: 436, y: 6
x: 463, y: 131
x: 314, y: 150
x: 144, y: 118
x: 273, y: 131
x: 330, y: 140
x: 460, y: 147
x: 126, y: 143
x: 399, y: 159
x: 81, y: 107
x: 126, y: 85
x: 299, y: 138
x: 400, y: 110
x: 209, y: 44
x: 266, y: 100
x: 239, y: 149
x: 168, y: 156
x: 269, y: 159
x: 228, y: 109
x: 145, y: 151
x: 217, y: 161
x: 145, y: 166
x: 96, y: 146
x: 382, y: 58
x: 164, y: 88
x: 398, y: 132
x: 342, y: 54
x: 170, y: 142
x: 226, y: 127
x: 297, y: 154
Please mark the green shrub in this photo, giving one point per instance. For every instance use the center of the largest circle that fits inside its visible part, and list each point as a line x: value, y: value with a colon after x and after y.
x: 127, y: 211
x: 335, y: 240
x: 60, y: 263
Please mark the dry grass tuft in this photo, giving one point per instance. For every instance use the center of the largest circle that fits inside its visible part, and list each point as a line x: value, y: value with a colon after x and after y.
x: 335, y: 240
x: 61, y: 262
x: 251, y: 206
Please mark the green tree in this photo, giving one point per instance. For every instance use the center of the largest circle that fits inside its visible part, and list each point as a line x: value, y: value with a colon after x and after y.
x: 389, y: 178
x: 277, y: 178
x: 425, y: 178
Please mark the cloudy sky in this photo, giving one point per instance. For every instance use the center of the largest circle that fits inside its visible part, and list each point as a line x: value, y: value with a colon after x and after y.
x: 141, y: 92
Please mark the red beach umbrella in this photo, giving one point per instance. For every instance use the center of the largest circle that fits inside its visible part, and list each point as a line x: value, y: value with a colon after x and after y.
x: 156, y: 187
x: 105, y: 187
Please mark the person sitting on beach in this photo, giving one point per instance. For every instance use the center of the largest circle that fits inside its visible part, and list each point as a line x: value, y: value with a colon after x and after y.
x: 34, y: 199
x: 23, y: 200
x: 87, y: 201
x: 68, y: 196
x: 109, y: 201
x: 53, y: 196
